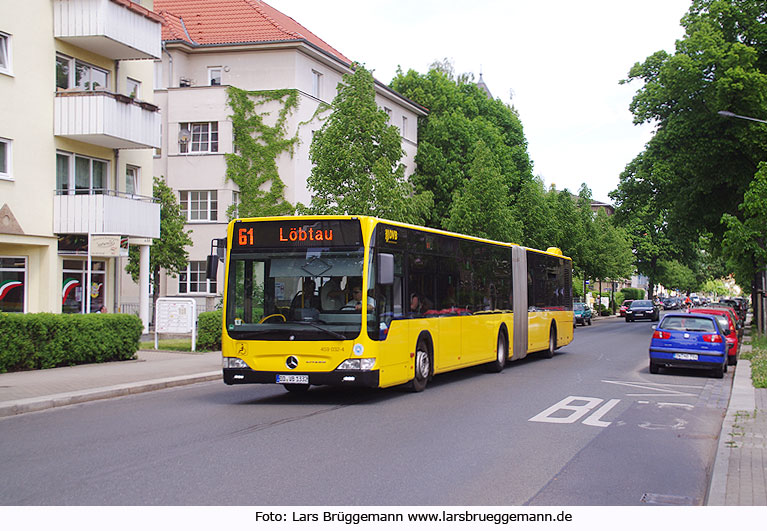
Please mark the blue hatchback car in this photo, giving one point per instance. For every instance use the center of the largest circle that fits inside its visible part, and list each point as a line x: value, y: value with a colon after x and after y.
x: 689, y: 340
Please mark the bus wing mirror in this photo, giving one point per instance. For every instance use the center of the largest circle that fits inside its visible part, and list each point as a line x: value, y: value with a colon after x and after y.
x: 386, y: 269
x: 211, y: 267
x: 217, y: 254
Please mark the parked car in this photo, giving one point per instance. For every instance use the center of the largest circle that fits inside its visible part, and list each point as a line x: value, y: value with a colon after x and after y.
x: 689, y: 340
x: 672, y: 303
x: 732, y: 314
x: 582, y: 313
x: 644, y: 309
x: 729, y: 326
x: 732, y: 303
x: 625, y: 306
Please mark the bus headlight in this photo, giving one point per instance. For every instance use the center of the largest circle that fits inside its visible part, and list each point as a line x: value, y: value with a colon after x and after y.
x: 235, y: 363
x: 363, y: 364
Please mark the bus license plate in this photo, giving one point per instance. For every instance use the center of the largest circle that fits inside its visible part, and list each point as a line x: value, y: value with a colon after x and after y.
x: 293, y: 378
x: 689, y: 357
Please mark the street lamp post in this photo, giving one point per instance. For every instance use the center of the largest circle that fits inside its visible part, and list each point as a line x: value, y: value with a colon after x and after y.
x: 759, y: 303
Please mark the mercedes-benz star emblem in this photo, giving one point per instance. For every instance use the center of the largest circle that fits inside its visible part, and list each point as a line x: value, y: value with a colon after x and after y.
x: 291, y: 362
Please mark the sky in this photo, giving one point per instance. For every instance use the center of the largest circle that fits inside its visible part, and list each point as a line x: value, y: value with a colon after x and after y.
x: 557, y: 62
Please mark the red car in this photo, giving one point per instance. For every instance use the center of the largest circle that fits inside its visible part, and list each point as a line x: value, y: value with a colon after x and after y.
x: 625, y: 306
x: 728, y: 324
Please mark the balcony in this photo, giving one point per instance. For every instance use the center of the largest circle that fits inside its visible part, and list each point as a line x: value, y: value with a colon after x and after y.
x: 106, y: 212
x: 105, y: 119
x: 117, y: 29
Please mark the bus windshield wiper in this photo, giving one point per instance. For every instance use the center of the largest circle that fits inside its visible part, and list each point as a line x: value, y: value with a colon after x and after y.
x: 318, y: 327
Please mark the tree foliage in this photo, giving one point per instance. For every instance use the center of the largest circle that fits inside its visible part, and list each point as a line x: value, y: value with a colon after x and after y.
x: 460, y: 116
x: 698, y: 164
x: 746, y: 237
x: 356, y: 156
x: 168, y: 252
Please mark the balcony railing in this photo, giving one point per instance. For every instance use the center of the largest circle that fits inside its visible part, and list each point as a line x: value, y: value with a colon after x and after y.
x: 98, y: 211
x: 117, y: 29
x: 106, y: 119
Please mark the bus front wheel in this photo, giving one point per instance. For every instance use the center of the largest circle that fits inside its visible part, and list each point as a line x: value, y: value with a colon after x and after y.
x: 549, y: 353
x: 421, y: 365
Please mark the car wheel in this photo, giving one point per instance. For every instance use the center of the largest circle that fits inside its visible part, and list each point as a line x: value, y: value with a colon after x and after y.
x: 654, y: 369
x: 719, y: 371
x: 732, y: 360
x: 501, y: 354
x: 421, y: 366
x: 627, y: 319
x: 589, y: 323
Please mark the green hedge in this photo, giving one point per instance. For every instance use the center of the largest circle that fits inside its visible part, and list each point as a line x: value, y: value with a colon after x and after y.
x: 633, y: 293
x: 209, y: 330
x: 46, y: 340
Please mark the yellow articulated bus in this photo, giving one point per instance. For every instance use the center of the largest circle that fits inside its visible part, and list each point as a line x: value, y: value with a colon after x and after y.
x: 361, y: 301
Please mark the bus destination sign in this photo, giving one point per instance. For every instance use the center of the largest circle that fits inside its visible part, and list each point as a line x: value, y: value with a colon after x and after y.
x: 291, y: 233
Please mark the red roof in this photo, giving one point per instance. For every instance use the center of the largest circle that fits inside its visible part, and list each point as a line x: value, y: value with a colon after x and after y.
x: 213, y: 22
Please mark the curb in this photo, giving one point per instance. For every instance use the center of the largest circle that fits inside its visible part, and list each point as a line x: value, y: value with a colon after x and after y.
x: 742, y: 398
x: 18, y: 407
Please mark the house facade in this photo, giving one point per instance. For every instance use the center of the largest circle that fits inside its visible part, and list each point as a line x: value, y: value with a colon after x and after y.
x: 77, y: 137
x: 210, y: 46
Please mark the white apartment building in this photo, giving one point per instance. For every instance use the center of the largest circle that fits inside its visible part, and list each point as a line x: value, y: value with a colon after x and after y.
x: 78, y: 131
x: 208, y: 46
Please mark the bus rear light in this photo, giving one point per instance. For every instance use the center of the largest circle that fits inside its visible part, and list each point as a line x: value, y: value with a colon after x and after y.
x: 363, y: 364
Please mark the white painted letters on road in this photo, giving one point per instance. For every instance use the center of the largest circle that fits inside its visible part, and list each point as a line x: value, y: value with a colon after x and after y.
x: 576, y: 407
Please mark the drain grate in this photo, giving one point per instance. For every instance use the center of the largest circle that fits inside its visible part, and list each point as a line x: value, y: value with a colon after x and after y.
x: 666, y: 499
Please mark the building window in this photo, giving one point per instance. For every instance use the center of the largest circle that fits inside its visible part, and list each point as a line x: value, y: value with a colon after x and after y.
x: 235, y: 204
x: 5, y: 53
x: 131, y: 180
x: 75, y: 74
x: 404, y: 126
x: 13, y: 283
x: 199, y: 205
x: 193, y: 280
x: 200, y: 137
x: 77, y: 174
x: 5, y: 158
x: 387, y: 110
x: 316, y: 84
x: 214, y: 76
x: 134, y: 88
x: 74, y: 279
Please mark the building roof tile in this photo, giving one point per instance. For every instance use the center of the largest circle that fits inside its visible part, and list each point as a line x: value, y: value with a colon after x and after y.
x: 216, y: 22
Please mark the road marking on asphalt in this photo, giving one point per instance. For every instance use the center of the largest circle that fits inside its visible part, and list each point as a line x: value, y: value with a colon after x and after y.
x: 662, y: 389
x: 575, y: 411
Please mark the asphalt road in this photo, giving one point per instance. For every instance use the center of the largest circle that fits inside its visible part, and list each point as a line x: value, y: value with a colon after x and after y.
x: 590, y: 426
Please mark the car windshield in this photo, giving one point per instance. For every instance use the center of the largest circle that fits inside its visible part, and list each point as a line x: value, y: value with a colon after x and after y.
x: 688, y: 324
x: 641, y: 304
x: 579, y: 306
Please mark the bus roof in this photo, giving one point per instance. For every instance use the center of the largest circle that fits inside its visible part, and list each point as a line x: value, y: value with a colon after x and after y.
x: 554, y: 251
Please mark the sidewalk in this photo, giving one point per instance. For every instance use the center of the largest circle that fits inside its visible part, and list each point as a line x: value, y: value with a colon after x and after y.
x: 24, y: 392
x: 740, y: 470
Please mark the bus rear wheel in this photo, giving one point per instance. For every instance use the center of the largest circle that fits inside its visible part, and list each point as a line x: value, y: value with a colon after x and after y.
x: 501, y: 354
x: 422, y: 366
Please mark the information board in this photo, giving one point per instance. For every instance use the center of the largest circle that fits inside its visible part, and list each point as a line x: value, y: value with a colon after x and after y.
x: 175, y: 316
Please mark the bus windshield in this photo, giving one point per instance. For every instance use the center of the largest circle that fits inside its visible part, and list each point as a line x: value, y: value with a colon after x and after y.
x: 295, y: 294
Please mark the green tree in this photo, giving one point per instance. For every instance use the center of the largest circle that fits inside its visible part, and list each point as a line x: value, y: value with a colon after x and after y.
x: 707, y: 161
x: 460, y: 115
x: 482, y: 209
x: 745, y: 240
x: 356, y: 157
x: 168, y: 252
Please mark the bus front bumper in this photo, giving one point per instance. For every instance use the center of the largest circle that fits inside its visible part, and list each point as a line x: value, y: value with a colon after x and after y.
x: 348, y: 378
